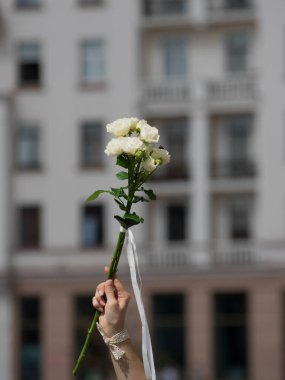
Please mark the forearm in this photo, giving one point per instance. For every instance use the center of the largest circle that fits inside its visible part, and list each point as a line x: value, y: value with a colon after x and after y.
x: 129, y: 367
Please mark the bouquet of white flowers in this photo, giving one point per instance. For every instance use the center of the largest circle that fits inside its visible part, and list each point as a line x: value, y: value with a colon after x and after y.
x: 134, y: 147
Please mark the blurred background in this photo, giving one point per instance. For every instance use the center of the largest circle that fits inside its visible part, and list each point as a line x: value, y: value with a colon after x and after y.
x: 210, y: 74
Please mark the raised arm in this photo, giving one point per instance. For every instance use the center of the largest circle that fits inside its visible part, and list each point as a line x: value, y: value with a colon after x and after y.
x: 112, y: 300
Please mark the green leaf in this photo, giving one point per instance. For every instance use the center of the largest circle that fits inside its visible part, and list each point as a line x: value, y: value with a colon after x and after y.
x: 121, y: 221
x: 150, y: 194
x: 96, y: 194
x: 122, y: 175
x: 121, y: 205
x: 140, y: 199
x: 133, y: 217
x: 122, y: 161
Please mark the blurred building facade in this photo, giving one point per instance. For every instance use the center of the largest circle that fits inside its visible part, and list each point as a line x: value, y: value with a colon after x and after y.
x: 210, y: 74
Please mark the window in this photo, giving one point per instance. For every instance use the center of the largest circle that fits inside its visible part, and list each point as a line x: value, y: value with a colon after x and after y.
x: 239, y: 130
x: 28, y: 3
x: 164, y: 7
x: 237, y: 4
x: 230, y: 324
x: 27, y: 148
x: 92, y: 229
x: 29, y: 227
x: 29, y: 64
x: 91, y: 144
x: 175, y: 57
x: 169, y: 332
x: 174, y: 136
x: 93, y: 61
x: 30, y: 344
x: 97, y: 362
x: 90, y: 2
x: 239, y: 220
x: 176, y: 222
x: 237, y: 44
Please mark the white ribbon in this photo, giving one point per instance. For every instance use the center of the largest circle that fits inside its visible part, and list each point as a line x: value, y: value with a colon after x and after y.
x: 147, y: 354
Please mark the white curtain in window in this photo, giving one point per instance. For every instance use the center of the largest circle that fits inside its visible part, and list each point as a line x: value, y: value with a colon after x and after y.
x: 175, y: 57
x: 93, y: 61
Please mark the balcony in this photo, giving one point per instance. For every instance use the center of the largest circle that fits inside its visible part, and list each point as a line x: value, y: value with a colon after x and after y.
x: 165, y: 13
x: 166, y: 94
x: 230, y: 11
x: 234, y: 255
x: 235, y: 89
x: 172, y: 171
x: 233, y: 168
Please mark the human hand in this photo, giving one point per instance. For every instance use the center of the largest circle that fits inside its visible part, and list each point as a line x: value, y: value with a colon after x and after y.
x: 112, y: 300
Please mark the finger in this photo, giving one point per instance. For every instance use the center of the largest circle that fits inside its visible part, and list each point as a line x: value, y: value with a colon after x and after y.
x: 109, y: 290
x: 100, y: 299
x: 119, y: 287
x: 97, y: 305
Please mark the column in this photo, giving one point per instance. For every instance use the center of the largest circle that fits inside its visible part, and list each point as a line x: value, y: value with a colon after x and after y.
x: 198, y: 10
x: 57, y: 342
x: 199, y: 335
x: 200, y: 199
x: 5, y: 210
x: 265, y: 340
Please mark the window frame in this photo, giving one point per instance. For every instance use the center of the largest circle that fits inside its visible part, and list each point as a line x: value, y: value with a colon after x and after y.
x: 20, y: 62
x: 32, y: 165
x: 23, y: 244
x: 101, y: 226
x: 84, y: 164
x: 84, y: 80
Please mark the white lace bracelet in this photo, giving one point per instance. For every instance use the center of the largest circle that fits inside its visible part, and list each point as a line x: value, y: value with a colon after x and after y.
x: 111, y: 342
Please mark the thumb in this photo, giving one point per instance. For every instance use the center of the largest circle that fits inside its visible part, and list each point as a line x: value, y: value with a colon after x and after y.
x: 109, y: 290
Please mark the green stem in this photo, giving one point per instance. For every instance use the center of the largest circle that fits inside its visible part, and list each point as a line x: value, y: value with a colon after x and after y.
x: 111, y: 273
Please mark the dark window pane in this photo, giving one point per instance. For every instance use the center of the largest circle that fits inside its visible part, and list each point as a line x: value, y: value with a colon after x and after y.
x: 91, y: 144
x: 237, y: 4
x: 27, y: 148
x: 30, y: 338
x: 92, y: 226
x: 29, y: 65
x: 176, y: 219
x: 240, y: 221
x: 167, y: 7
x: 237, y: 51
x: 168, y: 304
x: 231, y: 336
x: 29, y: 227
x: 28, y: 3
x: 169, y: 332
x: 29, y: 73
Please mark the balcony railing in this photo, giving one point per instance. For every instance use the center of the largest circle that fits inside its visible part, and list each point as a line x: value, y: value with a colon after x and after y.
x: 238, y: 87
x: 232, y: 253
x: 233, y: 168
x: 169, y: 92
x: 164, y: 7
x: 172, y: 172
x: 230, y: 10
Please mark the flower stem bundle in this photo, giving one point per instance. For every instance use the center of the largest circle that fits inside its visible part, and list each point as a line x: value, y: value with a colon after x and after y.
x: 135, y: 152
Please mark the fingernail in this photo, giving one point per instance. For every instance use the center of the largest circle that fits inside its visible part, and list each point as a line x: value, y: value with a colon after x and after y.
x: 101, y: 293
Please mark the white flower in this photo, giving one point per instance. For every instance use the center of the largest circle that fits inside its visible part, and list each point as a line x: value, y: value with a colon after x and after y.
x: 121, y: 127
x: 130, y: 145
x: 147, y: 133
x: 161, y: 154
x: 114, y: 148
x: 149, y: 164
